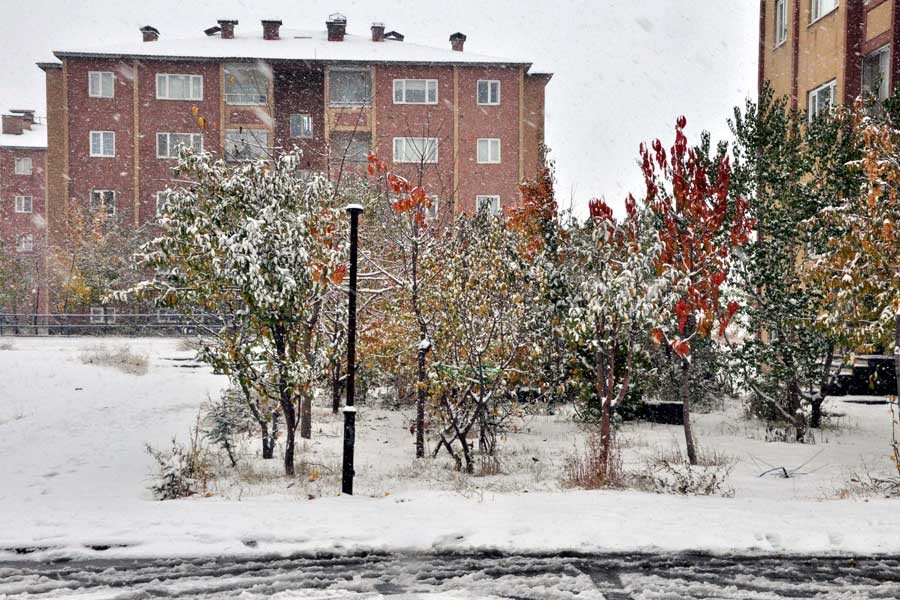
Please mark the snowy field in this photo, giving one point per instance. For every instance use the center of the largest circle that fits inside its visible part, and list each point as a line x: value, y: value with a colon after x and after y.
x: 74, y: 475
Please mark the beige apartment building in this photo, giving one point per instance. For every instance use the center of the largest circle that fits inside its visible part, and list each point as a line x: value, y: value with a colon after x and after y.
x: 824, y: 52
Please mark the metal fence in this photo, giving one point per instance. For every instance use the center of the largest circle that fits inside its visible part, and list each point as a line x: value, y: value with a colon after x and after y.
x: 106, y: 322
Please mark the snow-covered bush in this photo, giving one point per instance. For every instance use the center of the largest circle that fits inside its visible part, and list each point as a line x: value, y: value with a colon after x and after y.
x: 122, y: 358
x: 182, y: 470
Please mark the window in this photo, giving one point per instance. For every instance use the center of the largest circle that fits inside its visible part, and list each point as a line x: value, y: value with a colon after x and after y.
x: 781, y: 22
x: 351, y: 147
x: 821, y: 99
x: 23, y: 204
x: 246, y: 85
x: 25, y: 243
x: 179, y: 87
x: 488, y: 150
x: 820, y: 8
x: 23, y: 166
x: 489, y: 203
x: 349, y: 87
x: 433, y: 209
x: 415, y: 150
x: 104, y: 200
x: 876, y: 73
x: 488, y: 92
x: 100, y: 84
x: 168, y: 145
x: 100, y: 315
x: 415, y: 91
x: 246, y: 144
x: 301, y: 126
x: 103, y: 143
x: 161, y: 199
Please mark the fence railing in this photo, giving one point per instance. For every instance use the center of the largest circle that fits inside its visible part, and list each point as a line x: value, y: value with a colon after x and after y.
x: 106, y: 323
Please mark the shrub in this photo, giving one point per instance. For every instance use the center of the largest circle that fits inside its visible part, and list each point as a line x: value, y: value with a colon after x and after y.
x: 182, y: 471
x: 122, y: 359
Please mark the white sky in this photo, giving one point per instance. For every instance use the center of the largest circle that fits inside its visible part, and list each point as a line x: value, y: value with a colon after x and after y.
x: 624, y: 69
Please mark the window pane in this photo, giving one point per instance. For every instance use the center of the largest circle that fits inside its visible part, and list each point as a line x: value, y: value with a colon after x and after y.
x: 107, y: 85
x: 348, y: 87
x: 162, y: 144
x: 398, y: 90
x: 246, y: 85
x: 415, y: 90
x: 483, y: 93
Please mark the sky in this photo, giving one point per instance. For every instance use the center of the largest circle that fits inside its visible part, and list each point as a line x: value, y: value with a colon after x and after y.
x: 623, y: 69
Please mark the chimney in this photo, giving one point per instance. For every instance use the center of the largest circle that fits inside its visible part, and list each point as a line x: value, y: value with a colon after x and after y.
x: 337, y: 27
x: 394, y: 35
x: 457, y: 40
x: 12, y: 124
x: 270, y: 29
x: 227, y: 27
x: 377, y: 32
x: 150, y: 33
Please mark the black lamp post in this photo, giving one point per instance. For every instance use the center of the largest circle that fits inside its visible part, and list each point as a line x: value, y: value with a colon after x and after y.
x: 349, y: 409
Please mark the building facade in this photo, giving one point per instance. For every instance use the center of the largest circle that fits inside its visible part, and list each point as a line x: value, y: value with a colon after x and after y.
x: 23, y: 231
x: 824, y: 52
x: 467, y: 127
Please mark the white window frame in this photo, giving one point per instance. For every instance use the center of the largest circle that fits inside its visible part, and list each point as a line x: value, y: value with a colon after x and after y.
x: 489, y: 145
x: 23, y: 203
x: 400, y: 85
x: 781, y: 22
x: 490, y: 83
x: 244, y: 98
x: 98, y: 76
x: 193, y: 85
x: 495, y: 208
x: 103, y: 149
x: 305, y: 133
x: 20, y: 168
x: 101, y: 204
x: 821, y: 8
x: 252, y: 134
x: 172, y: 149
x: 419, y: 145
x: 25, y: 242
x: 885, y: 91
x: 814, y: 111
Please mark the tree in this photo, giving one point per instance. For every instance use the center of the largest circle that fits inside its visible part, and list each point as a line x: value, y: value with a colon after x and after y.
x: 480, y: 332
x: 788, y: 171
x: 859, y: 266
x: 699, y: 227
x: 263, y: 239
x: 618, y: 297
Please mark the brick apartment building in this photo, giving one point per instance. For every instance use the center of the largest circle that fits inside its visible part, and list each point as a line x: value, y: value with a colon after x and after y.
x: 824, y: 52
x: 23, y: 232
x: 472, y: 124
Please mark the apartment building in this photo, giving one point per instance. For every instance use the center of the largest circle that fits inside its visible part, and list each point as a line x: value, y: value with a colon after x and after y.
x: 468, y: 127
x: 822, y: 52
x: 23, y: 154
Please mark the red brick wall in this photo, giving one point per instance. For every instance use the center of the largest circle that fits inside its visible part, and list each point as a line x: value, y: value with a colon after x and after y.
x: 88, y: 114
x: 13, y: 224
x: 300, y: 89
x: 417, y: 120
x: 172, y: 116
x: 477, y: 121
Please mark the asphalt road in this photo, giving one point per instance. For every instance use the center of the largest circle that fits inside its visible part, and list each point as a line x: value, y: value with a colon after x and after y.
x: 482, y: 575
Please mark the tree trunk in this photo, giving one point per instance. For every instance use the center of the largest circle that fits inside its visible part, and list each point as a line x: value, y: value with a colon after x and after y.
x: 420, y: 402
x: 306, y: 416
x: 686, y: 409
x: 336, y: 387
x: 269, y: 436
x: 290, y: 424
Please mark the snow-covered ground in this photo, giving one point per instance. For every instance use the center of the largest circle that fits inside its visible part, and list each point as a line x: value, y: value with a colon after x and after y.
x: 74, y: 475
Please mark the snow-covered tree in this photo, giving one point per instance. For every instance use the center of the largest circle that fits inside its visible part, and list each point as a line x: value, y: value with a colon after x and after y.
x: 480, y: 342
x: 859, y: 266
x: 265, y: 243
x: 699, y: 227
x: 617, y: 299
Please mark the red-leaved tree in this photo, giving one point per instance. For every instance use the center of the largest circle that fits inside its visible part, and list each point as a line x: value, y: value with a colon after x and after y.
x: 699, y: 227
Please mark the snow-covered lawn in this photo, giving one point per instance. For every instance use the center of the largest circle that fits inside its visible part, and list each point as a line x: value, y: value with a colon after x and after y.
x: 74, y: 474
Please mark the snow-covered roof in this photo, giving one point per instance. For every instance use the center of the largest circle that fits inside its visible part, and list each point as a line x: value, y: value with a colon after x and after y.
x: 293, y: 45
x: 36, y: 137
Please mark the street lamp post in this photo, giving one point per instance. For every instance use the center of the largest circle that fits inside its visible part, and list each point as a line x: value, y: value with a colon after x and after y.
x: 354, y: 211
